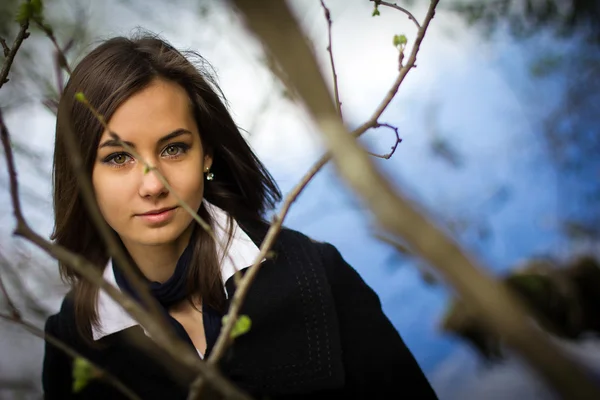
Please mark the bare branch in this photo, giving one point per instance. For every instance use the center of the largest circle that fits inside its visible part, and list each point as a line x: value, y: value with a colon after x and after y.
x: 87, y: 192
x: 396, y: 214
x: 398, y: 140
x: 149, y: 168
x: 59, y: 53
x: 103, y: 374
x: 330, y: 51
x: 113, y: 246
x: 397, y: 7
x: 89, y: 200
x: 371, y: 123
x: 12, y: 174
x: 5, y: 47
x: 396, y: 85
x: 291, y: 197
x: 10, y: 57
x: 13, y: 309
x: 165, y: 338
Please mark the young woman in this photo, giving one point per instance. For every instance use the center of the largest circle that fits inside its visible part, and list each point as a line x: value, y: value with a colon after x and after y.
x: 318, y: 331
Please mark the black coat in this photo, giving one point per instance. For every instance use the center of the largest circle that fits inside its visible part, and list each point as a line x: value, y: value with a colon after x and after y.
x: 318, y: 331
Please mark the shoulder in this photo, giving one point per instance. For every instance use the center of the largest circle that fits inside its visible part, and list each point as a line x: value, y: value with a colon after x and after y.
x: 323, y: 254
x: 298, y: 250
x: 62, y: 324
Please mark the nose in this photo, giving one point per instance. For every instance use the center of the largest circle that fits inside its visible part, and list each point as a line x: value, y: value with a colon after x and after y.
x: 151, y: 185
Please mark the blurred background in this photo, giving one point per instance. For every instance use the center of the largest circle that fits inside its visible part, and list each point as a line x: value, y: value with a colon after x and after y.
x: 501, y: 147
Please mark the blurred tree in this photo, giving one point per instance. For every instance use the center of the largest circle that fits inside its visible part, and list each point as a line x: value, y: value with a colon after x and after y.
x: 527, y: 17
x: 564, y: 298
x: 570, y: 129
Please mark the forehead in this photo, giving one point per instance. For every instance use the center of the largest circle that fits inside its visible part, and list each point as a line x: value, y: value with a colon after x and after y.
x: 161, y: 107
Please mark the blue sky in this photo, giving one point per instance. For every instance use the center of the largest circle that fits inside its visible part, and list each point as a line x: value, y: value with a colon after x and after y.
x: 476, y: 95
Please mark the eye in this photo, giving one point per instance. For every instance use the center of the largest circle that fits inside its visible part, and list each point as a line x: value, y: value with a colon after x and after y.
x: 117, y: 159
x: 175, y: 149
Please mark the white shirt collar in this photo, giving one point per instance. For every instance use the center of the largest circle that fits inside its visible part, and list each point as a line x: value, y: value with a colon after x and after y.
x: 241, y: 253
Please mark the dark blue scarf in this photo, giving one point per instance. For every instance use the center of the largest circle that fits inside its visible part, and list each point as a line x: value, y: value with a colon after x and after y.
x: 173, y: 291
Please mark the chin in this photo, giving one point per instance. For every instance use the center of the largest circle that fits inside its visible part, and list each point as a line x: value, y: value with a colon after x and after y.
x: 158, y: 236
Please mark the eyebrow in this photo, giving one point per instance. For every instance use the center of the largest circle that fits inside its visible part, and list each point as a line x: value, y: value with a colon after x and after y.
x: 166, y: 138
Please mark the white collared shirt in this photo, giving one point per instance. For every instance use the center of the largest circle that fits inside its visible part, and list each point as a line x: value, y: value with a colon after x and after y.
x: 241, y: 253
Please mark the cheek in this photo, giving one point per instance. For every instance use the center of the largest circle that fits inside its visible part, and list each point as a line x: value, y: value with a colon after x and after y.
x: 110, y: 195
x: 190, y: 186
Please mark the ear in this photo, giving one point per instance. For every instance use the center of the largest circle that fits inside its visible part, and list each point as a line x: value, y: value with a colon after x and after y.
x: 208, y: 160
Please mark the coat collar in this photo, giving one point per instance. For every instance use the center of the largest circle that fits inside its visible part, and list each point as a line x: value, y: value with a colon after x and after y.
x: 241, y: 253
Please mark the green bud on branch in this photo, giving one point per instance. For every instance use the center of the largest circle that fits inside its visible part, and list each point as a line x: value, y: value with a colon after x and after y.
x: 80, y: 97
x: 33, y: 9
x: 241, y: 326
x: 83, y: 373
x: 400, y: 41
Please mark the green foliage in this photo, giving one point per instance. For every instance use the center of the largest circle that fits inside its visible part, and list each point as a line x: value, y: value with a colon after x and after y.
x: 80, y: 97
x: 400, y: 41
x: 527, y: 17
x: 83, y: 373
x: 241, y: 326
x: 375, y: 11
x: 33, y: 9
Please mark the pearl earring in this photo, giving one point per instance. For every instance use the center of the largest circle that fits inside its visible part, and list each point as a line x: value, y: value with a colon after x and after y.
x: 209, y: 175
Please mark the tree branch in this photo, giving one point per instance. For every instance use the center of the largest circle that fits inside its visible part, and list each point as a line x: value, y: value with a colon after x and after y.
x: 330, y: 51
x: 150, y: 168
x: 103, y: 374
x: 397, y: 7
x: 174, y: 347
x: 113, y: 247
x: 395, y: 213
x: 60, y: 55
x: 10, y: 57
x: 291, y: 197
x: 89, y: 199
x: 398, y: 140
x: 14, y: 311
x: 5, y: 47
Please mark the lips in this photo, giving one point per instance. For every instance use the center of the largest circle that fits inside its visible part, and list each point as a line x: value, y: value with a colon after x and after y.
x: 159, y: 211
x: 159, y: 216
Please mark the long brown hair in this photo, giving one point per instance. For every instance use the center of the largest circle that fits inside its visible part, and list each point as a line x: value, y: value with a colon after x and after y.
x: 109, y: 75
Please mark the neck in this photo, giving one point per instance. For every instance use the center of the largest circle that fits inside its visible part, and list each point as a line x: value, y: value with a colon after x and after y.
x: 158, y: 262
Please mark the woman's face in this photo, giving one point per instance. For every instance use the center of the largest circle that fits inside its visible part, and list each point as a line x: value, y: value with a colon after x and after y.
x: 158, y: 124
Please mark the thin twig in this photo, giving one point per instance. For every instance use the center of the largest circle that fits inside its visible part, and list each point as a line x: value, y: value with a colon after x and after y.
x: 398, y: 215
x: 291, y: 197
x: 5, y: 47
x: 62, y: 60
x: 10, y: 57
x: 174, y: 347
x: 12, y: 174
x: 102, y: 373
x: 11, y: 305
x: 398, y: 140
x: 113, y: 247
x: 89, y: 200
x: 330, y: 51
x: 372, y: 122
x: 150, y: 168
x: 397, y: 7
